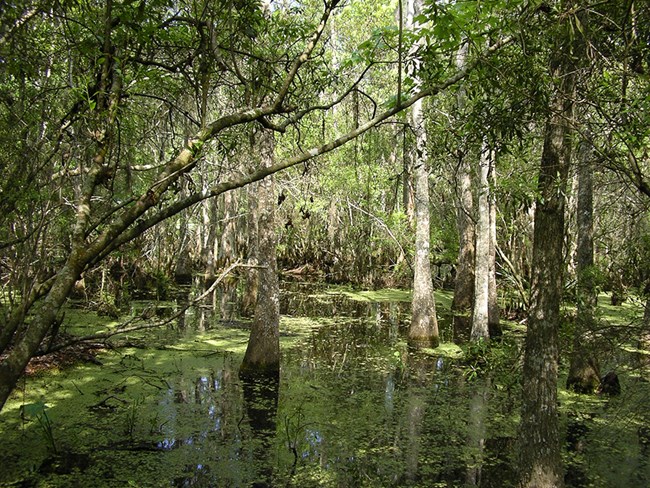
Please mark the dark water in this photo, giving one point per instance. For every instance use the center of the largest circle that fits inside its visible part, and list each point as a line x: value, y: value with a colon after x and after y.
x: 352, y: 406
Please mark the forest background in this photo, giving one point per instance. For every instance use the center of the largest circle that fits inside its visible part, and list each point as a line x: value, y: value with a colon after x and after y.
x: 498, y: 147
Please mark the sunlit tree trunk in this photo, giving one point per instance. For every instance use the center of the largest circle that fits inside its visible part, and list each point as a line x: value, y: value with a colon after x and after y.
x: 584, y: 372
x: 263, y: 351
x: 540, y: 460
x: 480, y: 329
x: 424, y: 324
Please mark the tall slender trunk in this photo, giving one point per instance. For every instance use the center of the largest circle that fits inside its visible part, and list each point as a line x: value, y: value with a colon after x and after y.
x: 424, y: 324
x: 464, y: 287
x: 584, y: 372
x: 540, y: 451
x: 463, y: 300
x: 480, y: 329
x: 263, y: 351
x: 228, y: 252
x: 494, y: 322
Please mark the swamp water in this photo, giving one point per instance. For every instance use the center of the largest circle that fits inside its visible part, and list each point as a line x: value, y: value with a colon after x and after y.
x: 353, y: 406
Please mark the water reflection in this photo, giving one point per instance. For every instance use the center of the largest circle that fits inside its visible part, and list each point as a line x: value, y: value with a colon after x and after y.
x: 261, y: 405
x: 355, y: 407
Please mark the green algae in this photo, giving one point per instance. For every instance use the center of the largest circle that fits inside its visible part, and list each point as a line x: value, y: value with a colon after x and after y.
x: 448, y: 350
x: 353, y: 402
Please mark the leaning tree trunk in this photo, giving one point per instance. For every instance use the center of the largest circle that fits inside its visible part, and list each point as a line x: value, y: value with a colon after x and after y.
x: 480, y: 329
x: 263, y: 351
x: 584, y: 372
x: 21, y: 341
x: 14, y: 363
x: 540, y: 460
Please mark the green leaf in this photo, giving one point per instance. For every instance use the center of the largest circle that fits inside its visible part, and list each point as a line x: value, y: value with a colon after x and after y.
x: 32, y: 410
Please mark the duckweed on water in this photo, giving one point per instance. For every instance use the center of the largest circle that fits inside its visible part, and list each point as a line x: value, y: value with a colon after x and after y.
x: 354, y: 407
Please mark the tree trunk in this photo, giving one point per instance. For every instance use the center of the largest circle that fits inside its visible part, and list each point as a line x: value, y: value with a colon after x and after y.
x: 252, y: 276
x: 540, y: 461
x: 584, y: 372
x: 480, y: 330
x: 13, y: 365
x: 263, y: 351
x: 463, y: 300
x: 464, y: 288
x: 228, y: 252
x: 424, y: 325
x: 494, y: 323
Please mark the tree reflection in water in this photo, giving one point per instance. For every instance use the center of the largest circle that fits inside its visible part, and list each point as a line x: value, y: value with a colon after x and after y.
x: 261, y: 406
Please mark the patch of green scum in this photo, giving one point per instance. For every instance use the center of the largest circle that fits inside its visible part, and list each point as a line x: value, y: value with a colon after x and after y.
x: 630, y: 309
x: 443, y: 298
x: 294, y: 330
x: 83, y: 322
x: 227, y: 340
x: 446, y: 349
x: 385, y: 295
x: 107, y: 412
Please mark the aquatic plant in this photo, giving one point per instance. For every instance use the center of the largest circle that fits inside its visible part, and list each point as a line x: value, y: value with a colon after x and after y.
x: 37, y: 411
